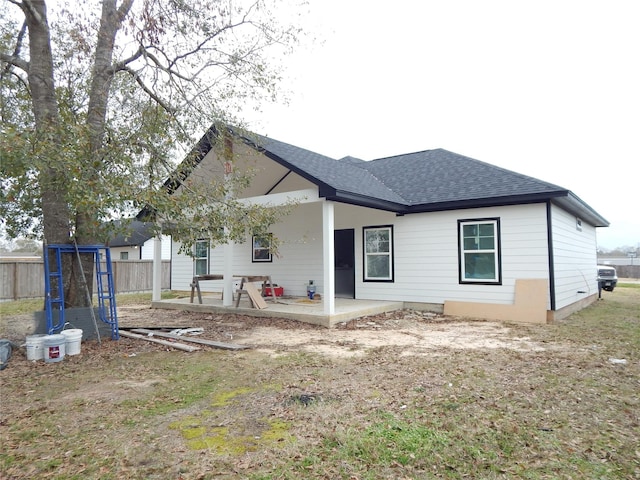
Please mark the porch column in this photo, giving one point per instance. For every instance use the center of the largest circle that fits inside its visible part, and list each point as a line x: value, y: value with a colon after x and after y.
x: 157, y: 269
x: 328, y: 297
x: 227, y: 295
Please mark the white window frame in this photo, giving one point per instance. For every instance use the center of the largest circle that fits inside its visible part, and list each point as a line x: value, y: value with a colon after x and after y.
x: 480, y: 249
x: 197, y: 258
x: 368, y: 254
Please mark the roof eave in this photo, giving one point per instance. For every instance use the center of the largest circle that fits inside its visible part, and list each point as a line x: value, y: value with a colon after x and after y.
x: 362, y: 201
x: 575, y: 205
x: 485, y: 202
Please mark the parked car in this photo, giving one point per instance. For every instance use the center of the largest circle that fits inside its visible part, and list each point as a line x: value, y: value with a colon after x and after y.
x: 607, y: 278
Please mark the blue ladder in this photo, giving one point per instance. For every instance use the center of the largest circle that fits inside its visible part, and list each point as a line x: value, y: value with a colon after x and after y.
x: 54, y: 287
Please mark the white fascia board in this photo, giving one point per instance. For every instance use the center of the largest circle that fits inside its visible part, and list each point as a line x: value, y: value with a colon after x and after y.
x: 308, y: 195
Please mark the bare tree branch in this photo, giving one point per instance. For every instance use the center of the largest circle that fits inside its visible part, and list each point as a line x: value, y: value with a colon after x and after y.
x: 200, y: 46
x: 116, y: 67
x: 167, y: 70
x: 14, y: 61
x: 124, y: 9
x: 168, y: 108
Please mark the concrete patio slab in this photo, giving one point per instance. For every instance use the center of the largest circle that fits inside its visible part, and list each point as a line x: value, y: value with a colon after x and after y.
x: 293, y: 308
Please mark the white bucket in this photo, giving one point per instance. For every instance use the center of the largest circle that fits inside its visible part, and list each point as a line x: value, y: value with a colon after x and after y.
x: 35, y: 350
x: 53, y: 348
x: 73, y: 338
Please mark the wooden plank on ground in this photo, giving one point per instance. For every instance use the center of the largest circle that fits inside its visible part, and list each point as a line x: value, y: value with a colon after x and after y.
x: 176, y: 345
x: 255, y: 296
x: 201, y: 341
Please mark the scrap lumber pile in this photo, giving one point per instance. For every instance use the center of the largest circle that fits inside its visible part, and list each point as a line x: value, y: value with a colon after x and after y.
x: 178, y: 338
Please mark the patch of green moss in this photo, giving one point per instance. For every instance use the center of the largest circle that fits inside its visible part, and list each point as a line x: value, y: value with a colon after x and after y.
x: 223, y: 399
x: 219, y: 441
x: 187, y: 422
x: 191, y: 433
x: 277, y: 432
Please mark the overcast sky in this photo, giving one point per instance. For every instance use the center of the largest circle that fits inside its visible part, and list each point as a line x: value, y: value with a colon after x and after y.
x: 550, y: 89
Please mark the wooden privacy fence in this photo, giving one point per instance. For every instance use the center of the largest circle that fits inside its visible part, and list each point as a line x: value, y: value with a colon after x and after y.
x: 627, y: 271
x: 25, y: 279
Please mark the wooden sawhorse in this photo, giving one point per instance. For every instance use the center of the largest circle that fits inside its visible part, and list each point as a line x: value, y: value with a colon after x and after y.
x: 195, y: 284
x: 257, y: 299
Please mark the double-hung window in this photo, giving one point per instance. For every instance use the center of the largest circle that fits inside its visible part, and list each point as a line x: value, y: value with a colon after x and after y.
x: 378, y: 253
x: 262, y: 248
x: 201, y: 257
x: 479, y: 242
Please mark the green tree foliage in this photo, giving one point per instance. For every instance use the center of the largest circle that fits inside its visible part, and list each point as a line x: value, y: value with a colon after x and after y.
x: 98, y: 100
x: 170, y: 70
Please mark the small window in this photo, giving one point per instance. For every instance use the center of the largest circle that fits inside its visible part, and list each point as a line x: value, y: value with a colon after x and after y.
x: 261, y: 248
x: 124, y: 255
x: 378, y: 254
x: 201, y: 257
x: 479, y: 242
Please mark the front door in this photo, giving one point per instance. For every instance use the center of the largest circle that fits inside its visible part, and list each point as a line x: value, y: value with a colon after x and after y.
x: 344, y: 263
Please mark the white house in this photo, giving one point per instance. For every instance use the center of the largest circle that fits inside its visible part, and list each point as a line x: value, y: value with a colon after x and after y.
x: 433, y: 229
x: 136, y: 243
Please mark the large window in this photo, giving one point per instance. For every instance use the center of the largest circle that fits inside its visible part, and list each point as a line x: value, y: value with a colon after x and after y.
x: 378, y: 254
x: 479, y: 242
x: 201, y: 257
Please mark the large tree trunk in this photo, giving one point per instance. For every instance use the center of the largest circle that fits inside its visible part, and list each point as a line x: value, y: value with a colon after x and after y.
x: 102, y: 76
x: 55, y: 210
x: 57, y: 217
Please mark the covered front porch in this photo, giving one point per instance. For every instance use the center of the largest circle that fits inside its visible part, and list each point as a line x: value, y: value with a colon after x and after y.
x: 293, y: 308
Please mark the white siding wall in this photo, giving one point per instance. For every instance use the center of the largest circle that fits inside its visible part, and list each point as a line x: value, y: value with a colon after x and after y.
x: 181, y: 268
x: 425, y: 254
x: 575, y: 258
x: 299, y: 258
x: 147, y: 249
x: 134, y: 253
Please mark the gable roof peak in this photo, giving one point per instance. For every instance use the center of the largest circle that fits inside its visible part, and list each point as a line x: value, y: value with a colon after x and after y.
x: 354, y: 160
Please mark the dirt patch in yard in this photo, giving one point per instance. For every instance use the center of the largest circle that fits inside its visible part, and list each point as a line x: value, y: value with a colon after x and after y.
x: 413, y: 333
x: 416, y: 333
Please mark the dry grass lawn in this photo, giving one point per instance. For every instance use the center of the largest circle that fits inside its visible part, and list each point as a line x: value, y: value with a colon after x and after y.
x: 402, y: 396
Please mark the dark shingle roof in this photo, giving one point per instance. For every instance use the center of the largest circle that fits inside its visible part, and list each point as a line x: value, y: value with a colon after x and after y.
x: 430, y: 180
x: 424, y: 181
x: 437, y: 176
x: 339, y: 176
x: 136, y: 233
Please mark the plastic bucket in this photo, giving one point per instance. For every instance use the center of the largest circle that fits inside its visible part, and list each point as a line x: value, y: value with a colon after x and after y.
x: 35, y: 349
x: 72, y: 340
x: 53, y: 348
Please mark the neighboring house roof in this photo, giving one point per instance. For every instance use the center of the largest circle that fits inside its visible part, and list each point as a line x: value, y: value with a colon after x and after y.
x: 430, y: 180
x: 135, y: 234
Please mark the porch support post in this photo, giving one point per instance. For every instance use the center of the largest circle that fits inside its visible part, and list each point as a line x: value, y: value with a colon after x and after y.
x: 328, y: 297
x: 157, y: 269
x: 227, y: 295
